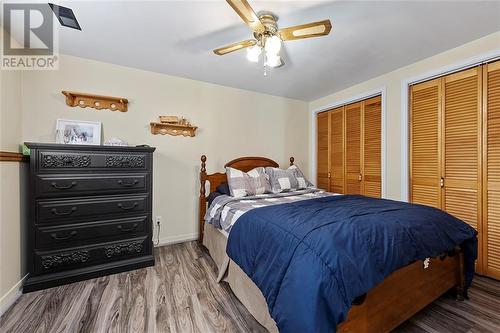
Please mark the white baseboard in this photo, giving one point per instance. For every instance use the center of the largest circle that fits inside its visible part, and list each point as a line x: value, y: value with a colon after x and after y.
x: 177, y: 239
x: 11, y: 296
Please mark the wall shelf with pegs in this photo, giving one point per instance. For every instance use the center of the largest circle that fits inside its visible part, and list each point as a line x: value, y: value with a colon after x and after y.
x: 172, y: 125
x: 98, y: 102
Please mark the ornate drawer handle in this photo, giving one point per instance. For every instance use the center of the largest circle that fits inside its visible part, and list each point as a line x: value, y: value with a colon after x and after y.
x: 63, y: 187
x: 135, y: 182
x: 133, y: 227
x: 129, y: 207
x: 54, y: 236
x: 54, y: 211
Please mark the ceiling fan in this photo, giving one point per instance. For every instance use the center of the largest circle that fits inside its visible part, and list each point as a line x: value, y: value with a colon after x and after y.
x: 267, y: 36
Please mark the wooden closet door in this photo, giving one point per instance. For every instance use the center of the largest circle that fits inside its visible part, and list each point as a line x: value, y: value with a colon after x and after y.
x: 425, y: 112
x: 323, y: 153
x: 353, y: 148
x: 461, y: 147
x: 372, y: 129
x: 337, y: 150
x: 491, y: 170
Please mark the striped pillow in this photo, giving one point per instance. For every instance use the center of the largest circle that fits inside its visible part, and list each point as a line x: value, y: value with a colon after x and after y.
x: 242, y: 184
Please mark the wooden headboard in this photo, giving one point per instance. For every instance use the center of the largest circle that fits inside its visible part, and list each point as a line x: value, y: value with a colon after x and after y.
x: 215, y: 179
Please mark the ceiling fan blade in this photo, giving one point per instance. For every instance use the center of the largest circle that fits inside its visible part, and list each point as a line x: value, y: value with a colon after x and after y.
x: 314, y: 29
x: 247, y: 14
x: 234, y: 47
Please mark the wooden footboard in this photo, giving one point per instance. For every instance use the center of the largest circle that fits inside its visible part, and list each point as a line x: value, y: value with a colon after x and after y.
x: 404, y: 293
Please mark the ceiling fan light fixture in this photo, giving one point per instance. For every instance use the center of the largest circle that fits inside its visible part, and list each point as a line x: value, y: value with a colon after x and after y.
x: 267, y: 36
x: 272, y: 45
x: 253, y: 53
x: 273, y: 60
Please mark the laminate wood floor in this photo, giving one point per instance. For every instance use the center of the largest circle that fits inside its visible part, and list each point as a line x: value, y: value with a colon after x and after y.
x: 180, y: 294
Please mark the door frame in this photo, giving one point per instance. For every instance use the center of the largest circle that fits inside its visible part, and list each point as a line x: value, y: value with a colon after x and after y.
x: 372, y: 93
x: 405, y: 106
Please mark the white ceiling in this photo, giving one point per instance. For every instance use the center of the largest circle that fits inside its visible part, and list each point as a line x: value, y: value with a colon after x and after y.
x: 368, y: 38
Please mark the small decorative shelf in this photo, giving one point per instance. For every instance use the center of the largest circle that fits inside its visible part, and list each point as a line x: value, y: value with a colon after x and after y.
x: 95, y: 101
x: 173, y: 129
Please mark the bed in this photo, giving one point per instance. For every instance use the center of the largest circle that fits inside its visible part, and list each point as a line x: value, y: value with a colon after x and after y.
x: 389, y: 303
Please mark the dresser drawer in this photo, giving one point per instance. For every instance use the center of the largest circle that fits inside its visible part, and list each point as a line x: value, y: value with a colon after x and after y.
x: 78, y: 257
x: 64, y: 211
x: 91, y: 160
x: 96, y: 184
x: 93, y: 232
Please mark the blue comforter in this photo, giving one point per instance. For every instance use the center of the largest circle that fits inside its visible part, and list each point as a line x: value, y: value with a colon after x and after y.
x: 312, y: 258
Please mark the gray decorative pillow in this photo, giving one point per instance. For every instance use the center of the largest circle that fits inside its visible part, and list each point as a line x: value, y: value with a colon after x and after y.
x: 301, y: 179
x: 242, y: 184
x: 282, y: 180
x: 290, y: 179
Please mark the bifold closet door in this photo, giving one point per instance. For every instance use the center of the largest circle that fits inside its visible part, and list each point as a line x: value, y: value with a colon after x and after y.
x: 372, y: 132
x: 353, y: 170
x: 461, y: 148
x: 323, y: 152
x: 491, y: 169
x: 337, y: 146
x: 425, y: 113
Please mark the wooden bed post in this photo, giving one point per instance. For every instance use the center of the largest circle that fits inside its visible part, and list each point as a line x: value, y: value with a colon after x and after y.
x: 291, y: 160
x: 460, y: 288
x: 203, y: 199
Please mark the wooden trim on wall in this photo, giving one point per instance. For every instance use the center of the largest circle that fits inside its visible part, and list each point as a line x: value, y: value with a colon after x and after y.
x: 13, y: 157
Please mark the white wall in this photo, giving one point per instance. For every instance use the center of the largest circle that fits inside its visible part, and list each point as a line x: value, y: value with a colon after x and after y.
x: 12, y: 212
x: 232, y: 123
x: 392, y: 82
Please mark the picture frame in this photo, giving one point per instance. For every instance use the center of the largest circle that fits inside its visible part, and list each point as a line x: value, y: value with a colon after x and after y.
x: 78, y: 132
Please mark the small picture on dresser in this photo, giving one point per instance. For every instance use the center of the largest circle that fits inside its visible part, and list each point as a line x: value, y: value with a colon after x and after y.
x: 78, y: 132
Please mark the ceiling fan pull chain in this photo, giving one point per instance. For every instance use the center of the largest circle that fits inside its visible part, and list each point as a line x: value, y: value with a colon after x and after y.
x: 265, y: 64
x: 262, y: 41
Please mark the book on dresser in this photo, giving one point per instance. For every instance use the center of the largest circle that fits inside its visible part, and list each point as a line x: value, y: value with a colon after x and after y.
x: 90, y: 212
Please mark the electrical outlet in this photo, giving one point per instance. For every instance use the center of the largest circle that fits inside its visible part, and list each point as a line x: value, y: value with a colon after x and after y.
x: 158, y: 220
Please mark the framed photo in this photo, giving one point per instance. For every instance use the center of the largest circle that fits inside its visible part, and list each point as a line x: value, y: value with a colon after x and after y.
x: 78, y: 132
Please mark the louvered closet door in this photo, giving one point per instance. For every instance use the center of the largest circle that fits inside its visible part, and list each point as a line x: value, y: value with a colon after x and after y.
x: 461, y: 167
x: 337, y: 150
x: 462, y: 145
x: 491, y: 174
x: 424, y: 143
x: 372, y: 147
x: 323, y: 150
x: 353, y: 148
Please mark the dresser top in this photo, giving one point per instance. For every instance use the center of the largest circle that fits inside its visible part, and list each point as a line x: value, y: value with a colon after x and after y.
x: 58, y: 146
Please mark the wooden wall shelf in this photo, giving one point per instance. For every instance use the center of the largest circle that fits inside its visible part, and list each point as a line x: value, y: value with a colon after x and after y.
x: 98, y: 102
x: 173, y: 129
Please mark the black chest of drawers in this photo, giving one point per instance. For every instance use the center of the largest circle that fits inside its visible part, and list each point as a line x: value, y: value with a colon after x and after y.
x: 90, y: 212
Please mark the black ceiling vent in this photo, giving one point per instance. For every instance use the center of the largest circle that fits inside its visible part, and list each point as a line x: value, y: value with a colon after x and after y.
x: 65, y: 16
